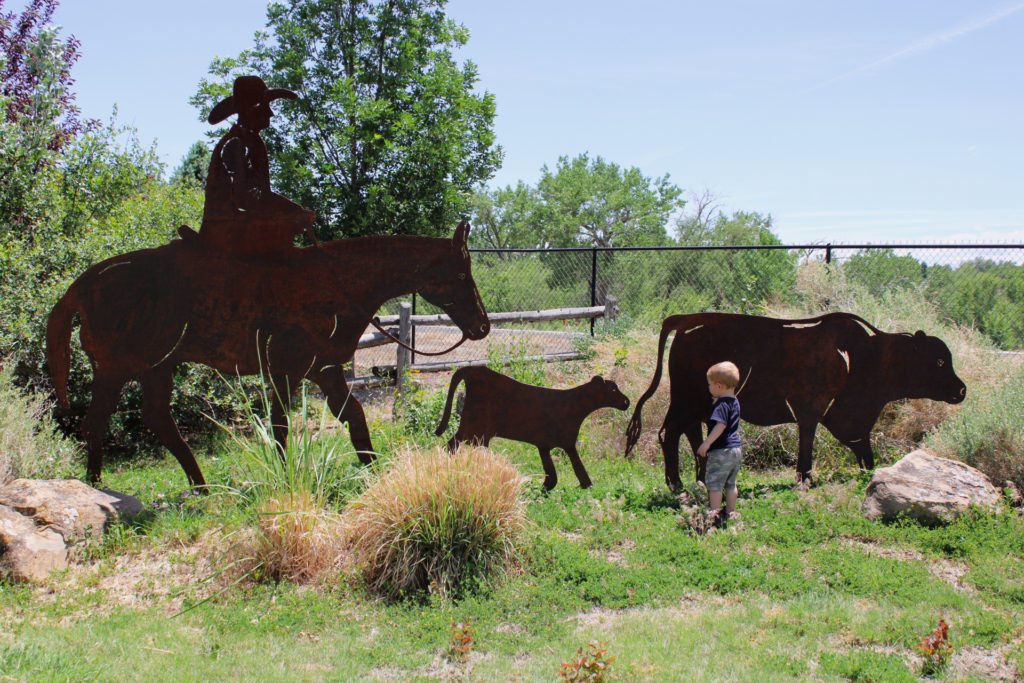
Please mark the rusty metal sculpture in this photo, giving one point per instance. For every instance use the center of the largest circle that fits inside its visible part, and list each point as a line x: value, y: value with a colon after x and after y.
x: 834, y: 369
x: 499, y: 406
x: 241, y: 298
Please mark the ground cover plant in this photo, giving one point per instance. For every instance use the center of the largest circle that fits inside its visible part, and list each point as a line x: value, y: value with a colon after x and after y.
x: 803, y: 587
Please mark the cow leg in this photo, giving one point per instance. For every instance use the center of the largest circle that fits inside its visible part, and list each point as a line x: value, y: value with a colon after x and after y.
x: 105, y: 392
x: 347, y: 409
x: 806, y: 453
x: 156, y: 414
x: 696, y: 437
x: 668, y: 437
x: 550, y: 476
x: 578, y: 468
x: 280, y: 406
x: 855, y: 437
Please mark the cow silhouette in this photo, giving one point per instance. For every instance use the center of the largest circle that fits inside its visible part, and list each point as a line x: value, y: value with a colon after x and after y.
x: 834, y: 369
x: 499, y: 406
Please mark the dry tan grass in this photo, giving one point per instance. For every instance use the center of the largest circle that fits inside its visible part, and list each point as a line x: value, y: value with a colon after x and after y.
x: 292, y: 539
x: 435, y: 522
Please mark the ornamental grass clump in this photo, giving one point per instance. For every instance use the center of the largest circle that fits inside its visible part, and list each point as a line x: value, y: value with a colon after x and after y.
x: 437, y: 522
x: 290, y: 533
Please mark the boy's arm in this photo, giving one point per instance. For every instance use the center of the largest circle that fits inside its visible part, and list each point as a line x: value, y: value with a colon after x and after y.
x: 715, y: 432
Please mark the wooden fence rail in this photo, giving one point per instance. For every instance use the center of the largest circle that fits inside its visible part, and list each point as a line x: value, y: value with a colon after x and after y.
x: 406, y: 321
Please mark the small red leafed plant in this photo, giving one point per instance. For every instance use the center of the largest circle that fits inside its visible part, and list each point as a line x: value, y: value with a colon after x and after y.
x: 935, y: 649
x: 591, y: 665
x: 461, y: 642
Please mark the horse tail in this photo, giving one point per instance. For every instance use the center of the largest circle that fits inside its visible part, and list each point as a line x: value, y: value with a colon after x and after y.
x: 458, y: 377
x: 58, y: 343
x: 668, y: 326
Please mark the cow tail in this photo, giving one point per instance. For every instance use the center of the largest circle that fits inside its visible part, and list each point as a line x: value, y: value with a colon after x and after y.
x: 635, y: 423
x: 58, y: 344
x: 456, y: 379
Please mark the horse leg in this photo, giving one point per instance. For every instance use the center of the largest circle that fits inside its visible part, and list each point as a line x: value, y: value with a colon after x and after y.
x: 280, y: 406
x: 804, y: 458
x: 578, y: 468
x: 550, y: 475
x: 347, y: 409
x: 106, y: 390
x: 156, y: 414
x: 669, y: 436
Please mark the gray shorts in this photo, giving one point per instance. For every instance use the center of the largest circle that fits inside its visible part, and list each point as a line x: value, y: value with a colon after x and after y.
x: 722, y: 466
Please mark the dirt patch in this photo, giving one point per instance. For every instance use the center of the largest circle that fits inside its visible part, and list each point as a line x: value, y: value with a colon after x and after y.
x: 980, y: 662
x: 689, y: 605
x: 945, y: 569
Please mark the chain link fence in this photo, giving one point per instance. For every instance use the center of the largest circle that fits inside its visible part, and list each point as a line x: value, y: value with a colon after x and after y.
x: 981, y: 286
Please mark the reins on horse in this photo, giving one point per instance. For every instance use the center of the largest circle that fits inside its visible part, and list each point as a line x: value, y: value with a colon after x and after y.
x: 376, y: 323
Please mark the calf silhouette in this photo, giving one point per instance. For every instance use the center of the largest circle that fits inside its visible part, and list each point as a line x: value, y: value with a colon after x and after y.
x: 497, y: 405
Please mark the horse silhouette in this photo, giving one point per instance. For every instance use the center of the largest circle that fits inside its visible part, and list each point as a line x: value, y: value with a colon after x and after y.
x: 293, y: 315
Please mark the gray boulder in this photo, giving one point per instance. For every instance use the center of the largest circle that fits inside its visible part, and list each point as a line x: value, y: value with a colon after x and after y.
x: 928, y: 488
x: 73, y: 509
x: 27, y: 552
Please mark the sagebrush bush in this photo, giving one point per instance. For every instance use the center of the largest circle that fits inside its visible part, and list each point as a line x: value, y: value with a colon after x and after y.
x: 437, y: 522
x: 29, y: 444
x: 988, y: 433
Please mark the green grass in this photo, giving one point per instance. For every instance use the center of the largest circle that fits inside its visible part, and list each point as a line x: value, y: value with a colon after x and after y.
x: 807, y: 588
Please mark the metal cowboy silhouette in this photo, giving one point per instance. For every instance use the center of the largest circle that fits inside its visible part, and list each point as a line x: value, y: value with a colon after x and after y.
x: 242, y: 215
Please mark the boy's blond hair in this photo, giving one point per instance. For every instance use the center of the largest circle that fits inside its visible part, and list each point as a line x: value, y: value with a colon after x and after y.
x: 725, y: 372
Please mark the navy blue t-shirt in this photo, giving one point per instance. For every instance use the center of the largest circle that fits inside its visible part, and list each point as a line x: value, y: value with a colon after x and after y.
x: 726, y: 411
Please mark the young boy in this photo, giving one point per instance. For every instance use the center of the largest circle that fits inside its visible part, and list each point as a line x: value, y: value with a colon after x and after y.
x: 722, y: 447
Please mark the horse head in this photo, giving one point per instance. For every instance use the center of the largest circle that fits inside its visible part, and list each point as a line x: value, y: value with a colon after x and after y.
x: 449, y: 285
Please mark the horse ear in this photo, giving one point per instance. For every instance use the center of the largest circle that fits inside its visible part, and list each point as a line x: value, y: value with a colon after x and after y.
x: 461, y: 236
x: 596, y: 378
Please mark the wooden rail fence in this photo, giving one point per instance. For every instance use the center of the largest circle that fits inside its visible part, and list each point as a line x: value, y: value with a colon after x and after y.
x: 406, y: 322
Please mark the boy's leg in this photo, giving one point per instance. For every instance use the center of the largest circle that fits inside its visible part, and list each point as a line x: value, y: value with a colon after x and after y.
x: 730, y: 500
x: 714, y: 500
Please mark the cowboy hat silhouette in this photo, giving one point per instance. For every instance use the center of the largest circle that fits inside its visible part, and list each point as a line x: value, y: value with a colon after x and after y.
x: 247, y: 91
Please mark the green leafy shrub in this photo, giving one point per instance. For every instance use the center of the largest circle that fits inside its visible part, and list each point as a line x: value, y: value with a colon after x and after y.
x: 437, y: 522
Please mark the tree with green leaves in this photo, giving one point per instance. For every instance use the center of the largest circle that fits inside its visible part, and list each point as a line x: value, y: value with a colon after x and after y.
x: 194, y: 167
x: 505, y: 218
x: 388, y: 135
x: 587, y: 202
x: 38, y: 116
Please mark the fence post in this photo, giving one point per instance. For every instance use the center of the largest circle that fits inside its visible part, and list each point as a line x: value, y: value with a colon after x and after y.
x: 611, y: 309
x: 828, y: 254
x: 593, y: 284
x: 405, y: 335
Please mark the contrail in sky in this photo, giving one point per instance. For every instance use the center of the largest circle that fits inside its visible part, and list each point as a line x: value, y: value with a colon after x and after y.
x: 930, y: 42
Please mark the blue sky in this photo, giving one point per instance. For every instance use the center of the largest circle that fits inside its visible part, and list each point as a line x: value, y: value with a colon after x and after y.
x: 874, y: 121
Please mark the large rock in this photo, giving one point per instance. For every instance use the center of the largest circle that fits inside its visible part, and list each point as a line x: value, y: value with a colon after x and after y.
x: 28, y: 553
x: 927, y: 487
x: 68, y: 506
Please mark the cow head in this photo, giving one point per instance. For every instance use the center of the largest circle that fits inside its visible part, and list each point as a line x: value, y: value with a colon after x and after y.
x: 607, y: 393
x: 928, y: 369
